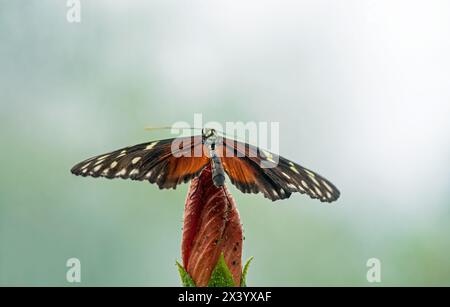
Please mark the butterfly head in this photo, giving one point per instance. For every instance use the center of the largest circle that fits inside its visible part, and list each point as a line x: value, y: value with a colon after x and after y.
x: 209, y: 135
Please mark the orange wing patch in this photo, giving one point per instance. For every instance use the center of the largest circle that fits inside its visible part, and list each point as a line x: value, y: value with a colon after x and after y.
x: 182, y: 169
x: 246, y: 175
x: 241, y: 174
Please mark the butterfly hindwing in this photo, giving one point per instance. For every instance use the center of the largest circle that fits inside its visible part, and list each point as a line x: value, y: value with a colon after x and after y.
x: 245, y: 174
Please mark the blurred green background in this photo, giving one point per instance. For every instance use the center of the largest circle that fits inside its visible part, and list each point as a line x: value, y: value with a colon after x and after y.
x: 361, y: 90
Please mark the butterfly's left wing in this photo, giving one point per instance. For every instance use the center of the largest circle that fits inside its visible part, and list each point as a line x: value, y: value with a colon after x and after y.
x: 162, y: 162
x: 277, y: 179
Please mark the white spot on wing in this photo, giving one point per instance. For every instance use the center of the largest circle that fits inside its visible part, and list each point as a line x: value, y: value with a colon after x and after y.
x: 315, y: 180
x: 103, y: 157
x: 113, y: 164
x: 98, y: 162
x: 267, y: 154
x: 311, y: 174
x: 286, y: 175
x: 303, y: 182
x: 301, y: 189
x: 327, y: 186
x: 136, y: 160
x: 151, y: 145
x: 291, y: 186
x: 121, y: 172
x: 318, y: 191
x: 271, y: 160
x: 86, y: 165
x: 122, y: 153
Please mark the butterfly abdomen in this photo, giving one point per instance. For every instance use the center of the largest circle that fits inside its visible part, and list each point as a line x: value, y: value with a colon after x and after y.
x: 218, y: 174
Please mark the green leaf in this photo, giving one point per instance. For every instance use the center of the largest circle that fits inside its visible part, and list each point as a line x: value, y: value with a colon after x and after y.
x: 186, y: 279
x: 221, y: 275
x: 244, y: 272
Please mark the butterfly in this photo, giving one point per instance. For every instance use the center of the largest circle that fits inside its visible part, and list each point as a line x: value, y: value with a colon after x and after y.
x: 173, y: 161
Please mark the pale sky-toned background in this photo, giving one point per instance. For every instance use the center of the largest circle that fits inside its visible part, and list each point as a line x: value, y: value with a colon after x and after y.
x: 361, y: 90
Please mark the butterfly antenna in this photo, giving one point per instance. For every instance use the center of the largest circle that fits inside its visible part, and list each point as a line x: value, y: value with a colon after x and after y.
x: 169, y: 128
x: 187, y: 128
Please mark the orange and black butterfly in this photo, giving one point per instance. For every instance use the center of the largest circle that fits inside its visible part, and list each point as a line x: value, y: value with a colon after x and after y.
x: 173, y: 161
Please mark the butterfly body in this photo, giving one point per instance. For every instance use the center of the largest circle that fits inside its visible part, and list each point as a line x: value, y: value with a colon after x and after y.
x: 217, y: 173
x: 170, y: 162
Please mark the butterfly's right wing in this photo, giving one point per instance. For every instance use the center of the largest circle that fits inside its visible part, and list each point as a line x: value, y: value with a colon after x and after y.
x: 166, y: 162
x: 254, y: 170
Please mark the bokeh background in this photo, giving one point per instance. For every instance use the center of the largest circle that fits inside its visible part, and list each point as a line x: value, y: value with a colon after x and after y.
x: 361, y: 90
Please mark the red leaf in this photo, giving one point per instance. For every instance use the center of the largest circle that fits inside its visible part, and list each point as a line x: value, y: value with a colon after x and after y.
x: 211, y: 227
